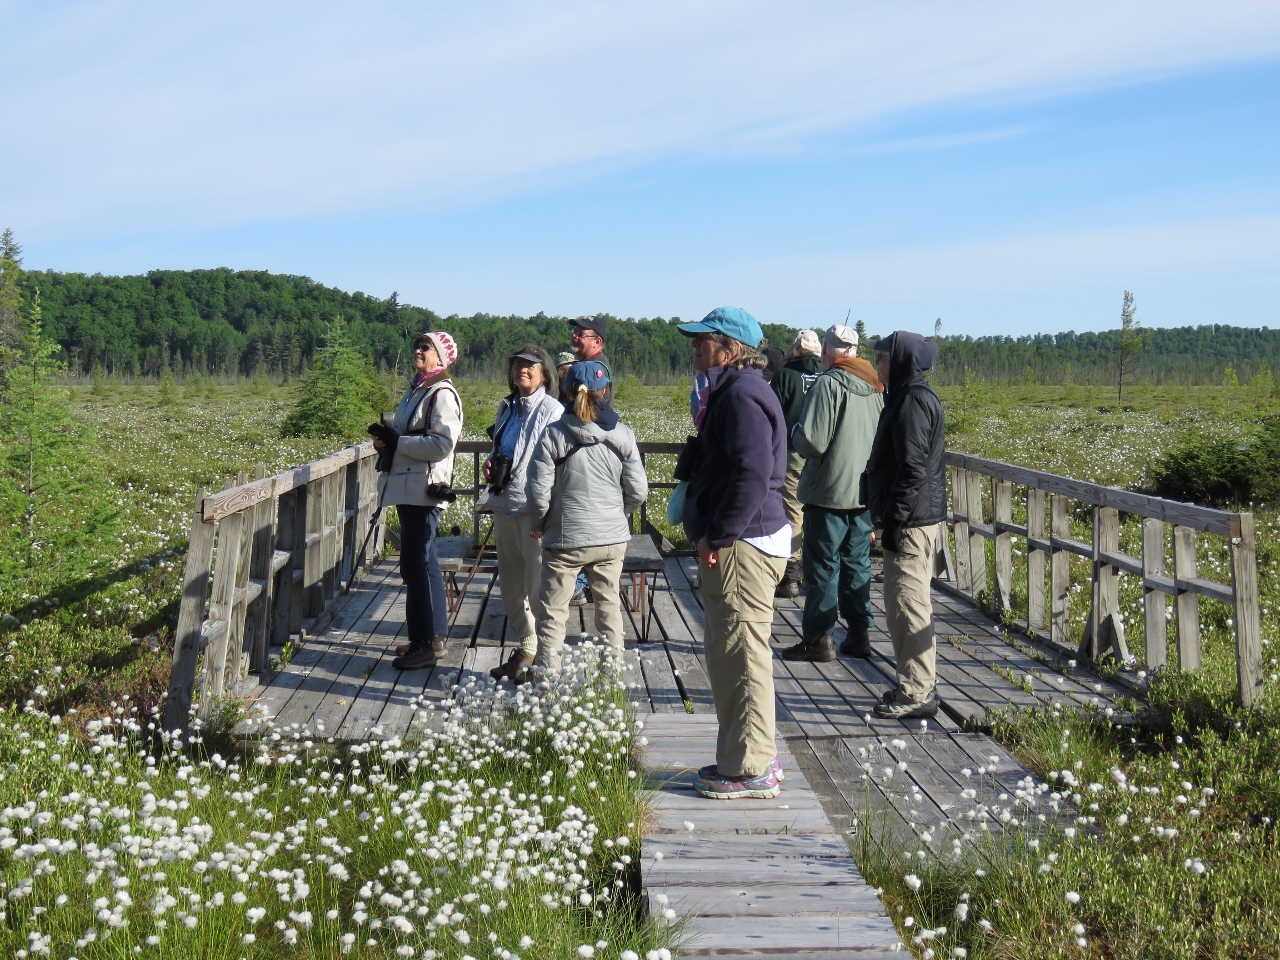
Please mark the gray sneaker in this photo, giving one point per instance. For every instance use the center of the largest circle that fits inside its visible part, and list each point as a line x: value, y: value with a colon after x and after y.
x: 711, y: 770
x: 895, y: 706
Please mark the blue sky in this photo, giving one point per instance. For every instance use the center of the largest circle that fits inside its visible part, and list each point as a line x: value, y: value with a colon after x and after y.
x: 1008, y: 167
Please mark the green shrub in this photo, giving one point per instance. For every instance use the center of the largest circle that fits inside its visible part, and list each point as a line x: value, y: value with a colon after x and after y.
x: 1220, y: 473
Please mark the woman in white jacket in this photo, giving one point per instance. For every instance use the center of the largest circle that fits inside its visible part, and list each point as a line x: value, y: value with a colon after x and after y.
x: 427, y: 425
x: 522, y: 417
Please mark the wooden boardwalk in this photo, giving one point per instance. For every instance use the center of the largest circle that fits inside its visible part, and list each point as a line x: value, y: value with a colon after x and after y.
x: 781, y: 869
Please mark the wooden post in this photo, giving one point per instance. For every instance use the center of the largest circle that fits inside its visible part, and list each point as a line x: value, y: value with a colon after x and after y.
x: 1035, y: 560
x: 297, y: 568
x: 1002, y: 512
x: 287, y: 541
x: 1153, y: 602
x: 1188, y: 603
x: 230, y: 530
x: 960, y: 505
x: 1106, y: 585
x: 264, y: 545
x: 977, y: 543
x: 237, y: 661
x: 1244, y: 578
x: 353, y: 531
x: 313, y: 562
x: 1059, y: 571
x: 186, y: 641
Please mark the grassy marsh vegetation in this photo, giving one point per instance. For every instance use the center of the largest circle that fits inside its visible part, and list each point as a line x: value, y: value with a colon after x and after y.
x: 1200, y: 879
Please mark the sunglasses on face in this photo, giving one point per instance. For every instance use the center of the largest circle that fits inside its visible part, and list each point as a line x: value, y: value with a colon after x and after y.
x: 584, y: 335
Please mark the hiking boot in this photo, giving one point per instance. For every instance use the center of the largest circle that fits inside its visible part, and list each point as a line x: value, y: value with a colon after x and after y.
x: 822, y: 650
x: 438, y: 647
x: 895, y: 706
x: 710, y: 770
x: 788, y: 588
x: 856, y: 643
x: 516, y: 663
x: 522, y: 671
x: 579, y: 598
x: 415, y: 658
x: 716, y: 787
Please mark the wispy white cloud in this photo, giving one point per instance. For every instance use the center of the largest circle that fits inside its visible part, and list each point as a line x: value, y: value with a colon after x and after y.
x: 128, y: 115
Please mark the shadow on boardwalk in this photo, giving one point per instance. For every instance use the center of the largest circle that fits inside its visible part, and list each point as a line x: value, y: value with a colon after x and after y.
x: 780, y: 869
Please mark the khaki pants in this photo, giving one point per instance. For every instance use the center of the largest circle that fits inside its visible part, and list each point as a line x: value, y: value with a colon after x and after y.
x: 520, y: 576
x: 795, y: 512
x: 737, y: 594
x: 909, y: 609
x: 603, y: 566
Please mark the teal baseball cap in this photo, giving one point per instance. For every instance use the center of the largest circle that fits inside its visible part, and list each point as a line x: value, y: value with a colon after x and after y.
x: 733, y: 322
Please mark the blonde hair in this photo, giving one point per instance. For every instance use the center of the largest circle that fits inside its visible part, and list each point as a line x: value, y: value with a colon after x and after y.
x: 587, y: 403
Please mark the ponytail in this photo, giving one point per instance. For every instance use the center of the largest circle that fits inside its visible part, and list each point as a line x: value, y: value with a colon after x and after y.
x: 586, y: 403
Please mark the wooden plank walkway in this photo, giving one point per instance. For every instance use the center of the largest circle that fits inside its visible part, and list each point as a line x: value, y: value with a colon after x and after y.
x: 781, y: 869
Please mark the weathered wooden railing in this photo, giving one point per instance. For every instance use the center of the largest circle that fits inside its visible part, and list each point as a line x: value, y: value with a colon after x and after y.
x: 976, y: 482
x: 286, y: 546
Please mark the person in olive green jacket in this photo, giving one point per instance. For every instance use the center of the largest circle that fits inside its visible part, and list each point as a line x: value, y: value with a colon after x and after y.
x: 801, y: 369
x: 834, y: 434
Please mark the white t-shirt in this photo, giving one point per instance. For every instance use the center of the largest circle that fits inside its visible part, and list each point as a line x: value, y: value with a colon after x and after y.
x: 775, y: 544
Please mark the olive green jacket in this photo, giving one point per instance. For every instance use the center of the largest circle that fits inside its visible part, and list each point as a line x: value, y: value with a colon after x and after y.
x: 834, y: 435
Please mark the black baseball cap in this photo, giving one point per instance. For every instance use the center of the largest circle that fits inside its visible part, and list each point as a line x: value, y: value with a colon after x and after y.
x: 593, y: 323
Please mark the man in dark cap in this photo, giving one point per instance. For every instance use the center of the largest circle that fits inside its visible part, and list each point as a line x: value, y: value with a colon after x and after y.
x: 587, y: 336
x: 906, y: 482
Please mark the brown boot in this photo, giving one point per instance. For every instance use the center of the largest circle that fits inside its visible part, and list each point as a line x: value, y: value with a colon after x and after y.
x: 438, y: 647
x: 518, y: 662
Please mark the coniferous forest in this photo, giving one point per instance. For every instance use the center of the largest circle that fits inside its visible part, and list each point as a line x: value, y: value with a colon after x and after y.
x: 237, y: 323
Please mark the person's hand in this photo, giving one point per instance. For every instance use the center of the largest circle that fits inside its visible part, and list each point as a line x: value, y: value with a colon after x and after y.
x: 535, y: 534
x: 488, y: 469
x: 378, y: 444
x: 708, y: 557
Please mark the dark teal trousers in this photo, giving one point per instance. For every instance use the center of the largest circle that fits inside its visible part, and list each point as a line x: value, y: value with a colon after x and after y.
x: 837, y: 569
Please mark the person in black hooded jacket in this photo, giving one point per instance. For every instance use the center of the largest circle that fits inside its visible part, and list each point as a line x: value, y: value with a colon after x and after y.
x: 906, y: 481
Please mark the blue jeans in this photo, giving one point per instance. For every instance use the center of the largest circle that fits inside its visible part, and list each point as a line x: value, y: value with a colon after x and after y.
x: 426, y: 614
x: 837, y: 570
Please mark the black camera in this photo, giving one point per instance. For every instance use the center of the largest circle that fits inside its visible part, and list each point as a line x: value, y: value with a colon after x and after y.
x: 441, y: 491
x: 382, y: 430
x: 499, y: 473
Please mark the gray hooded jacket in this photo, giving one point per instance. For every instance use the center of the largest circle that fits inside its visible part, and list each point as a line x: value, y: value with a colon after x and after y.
x: 586, y: 499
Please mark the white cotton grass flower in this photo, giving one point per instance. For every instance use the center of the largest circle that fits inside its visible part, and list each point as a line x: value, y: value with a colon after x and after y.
x: 1072, y: 897
x: 912, y: 881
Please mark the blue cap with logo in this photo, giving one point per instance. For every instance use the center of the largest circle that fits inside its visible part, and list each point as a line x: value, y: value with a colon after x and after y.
x: 733, y: 322
x: 587, y: 373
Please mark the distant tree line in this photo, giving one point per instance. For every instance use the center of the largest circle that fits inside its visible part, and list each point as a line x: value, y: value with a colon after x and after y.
x: 238, y: 323
x: 1184, y: 355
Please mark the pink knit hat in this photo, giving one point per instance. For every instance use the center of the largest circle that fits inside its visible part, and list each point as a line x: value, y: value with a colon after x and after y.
x: 446, y: 347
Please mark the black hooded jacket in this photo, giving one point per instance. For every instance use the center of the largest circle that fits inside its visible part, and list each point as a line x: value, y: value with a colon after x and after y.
x: 906, y: 478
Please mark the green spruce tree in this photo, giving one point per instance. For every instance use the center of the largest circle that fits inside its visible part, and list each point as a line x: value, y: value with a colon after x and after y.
x: 52, y: 504
x: 340, y: 395
x: 10, y: 300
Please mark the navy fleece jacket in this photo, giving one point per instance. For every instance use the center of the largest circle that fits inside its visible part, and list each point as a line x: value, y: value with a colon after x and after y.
x: 736, y: 490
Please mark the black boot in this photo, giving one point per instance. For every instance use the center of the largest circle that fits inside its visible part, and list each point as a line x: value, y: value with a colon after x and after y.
x: 788, y: 589
x: 856, y: 643
x: 417, y: 658
x: 822, y: 650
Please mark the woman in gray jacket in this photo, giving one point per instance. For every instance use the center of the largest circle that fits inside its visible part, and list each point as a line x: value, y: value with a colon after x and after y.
x: 584, y: 483
x: 426, y: 429
x: 522, y: 417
